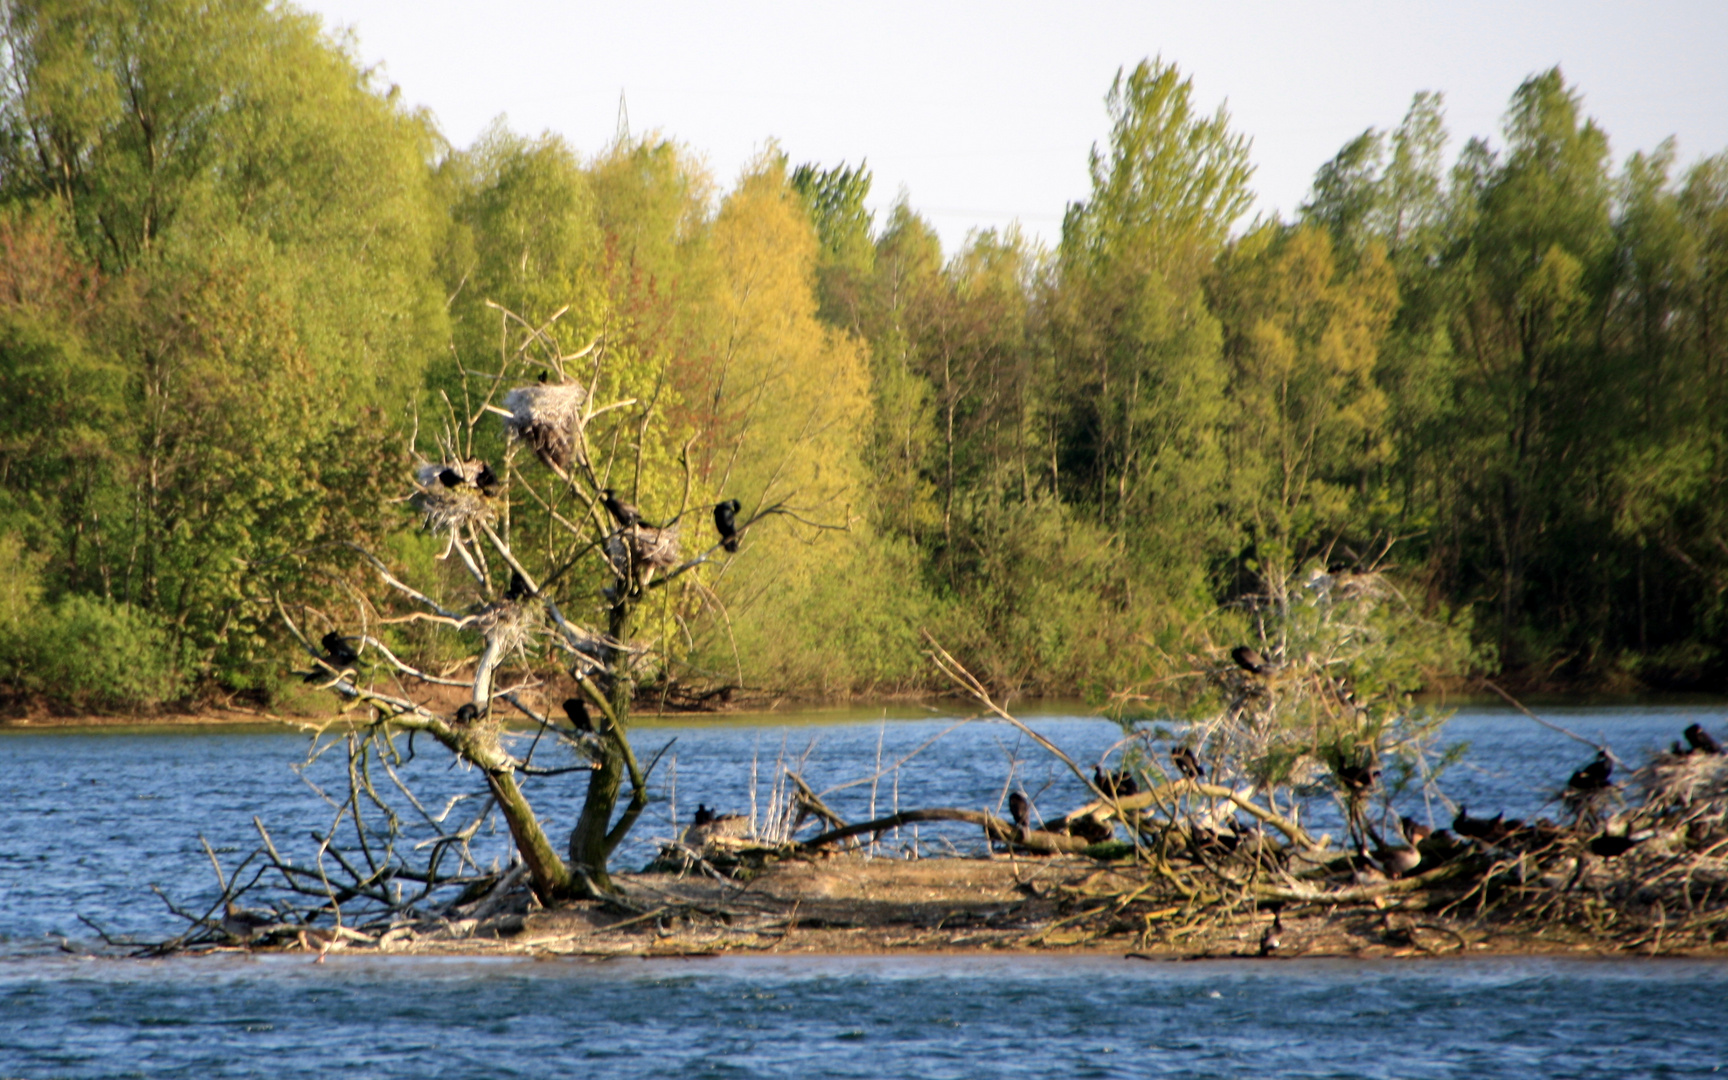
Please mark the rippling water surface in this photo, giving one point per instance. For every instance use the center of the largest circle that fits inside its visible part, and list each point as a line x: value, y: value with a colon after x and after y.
x: 96, y: 818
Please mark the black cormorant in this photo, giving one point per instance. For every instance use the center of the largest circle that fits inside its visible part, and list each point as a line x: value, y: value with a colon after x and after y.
x: 467, y: 714
x: 1592, y: 777
x: 1701, y: 740
x: 1249, y: 660
x: 450, y: 478
x: 340, y: 653
x: 726, y: 521
x: 486, y: 480
x: 622, y: 512
x: 577, y: 710
x: 703, y: 815
x: 1186, y: 763
x: 1612, y: 847
x: 1020, y: 809
x: 518, y: 589
x: 1117, y: 783
x: 1274, y: 935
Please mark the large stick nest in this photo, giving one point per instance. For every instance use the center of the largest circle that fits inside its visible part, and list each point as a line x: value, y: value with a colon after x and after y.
x: 448, y: 509
x: 546, y: 417
x: 643, y: 548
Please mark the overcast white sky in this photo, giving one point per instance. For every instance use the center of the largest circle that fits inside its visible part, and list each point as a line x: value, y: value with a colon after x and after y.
x: 984, y: 112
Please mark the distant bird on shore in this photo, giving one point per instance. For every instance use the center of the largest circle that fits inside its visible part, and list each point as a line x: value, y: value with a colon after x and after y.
x: 1186, y: 763
x: 1274, y: 935
x: 1117, y: 783
x: 1020, y: 809
x: 577, y: 710
x: 1592, y: 777
x: 1702, y: 741
x: 1249, y: 660
x: 622, y: 512
x: 726, y: 521
x: 244, y: 923
x: 467, y: 714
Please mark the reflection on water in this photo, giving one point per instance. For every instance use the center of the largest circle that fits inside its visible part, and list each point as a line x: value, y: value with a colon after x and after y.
x: 949, y: 1016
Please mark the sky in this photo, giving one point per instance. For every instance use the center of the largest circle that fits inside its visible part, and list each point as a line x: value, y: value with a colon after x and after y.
x: 984, y: 113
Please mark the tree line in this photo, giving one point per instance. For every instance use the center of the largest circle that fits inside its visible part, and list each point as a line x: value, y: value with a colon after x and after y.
x: 243, y: 284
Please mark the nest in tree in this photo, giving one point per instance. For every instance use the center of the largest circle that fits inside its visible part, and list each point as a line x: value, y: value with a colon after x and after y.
x: 546, y: 417
x: 509, y: 623
x: 642, y: 548
x: 449, y: 508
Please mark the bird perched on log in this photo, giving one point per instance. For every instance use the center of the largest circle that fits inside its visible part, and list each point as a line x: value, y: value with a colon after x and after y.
x: 622, y: 512
x: 1186, y: 763
x: 1090, y: 829
x: 1249, y: 660
x: 726, y: 521
x: 467, y: 714
x: 518, y: 589
x: 1494, y: 830
x: 1702, y: 741
x: 1117, y: 783
x: 1394, y: 859
x: 1274, y: 935
x: 577, y: 710
x: 1592, y: 777
x: 703, y: 815
x: 1020, y: 809
x: 245, y: 923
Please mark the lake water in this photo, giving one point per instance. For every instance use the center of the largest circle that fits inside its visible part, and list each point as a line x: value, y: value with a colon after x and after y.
x: 99, y: 816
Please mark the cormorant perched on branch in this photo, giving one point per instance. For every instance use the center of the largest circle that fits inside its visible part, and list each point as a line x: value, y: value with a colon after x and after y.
x: 1020, y: 809
x: 518, y: 589
x: 577, y: 710
x: 467, y: 714
x: 1592, y: 777
x: 1249, y: 660
x: 1186, y: 763
x: 622, y: 512
x: 1118, y: 783
x: 726, y: 521
x: 340, y: 653
x: 1701, y: 740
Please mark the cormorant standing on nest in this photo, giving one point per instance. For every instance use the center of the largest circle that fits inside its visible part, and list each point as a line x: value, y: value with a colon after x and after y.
x: 450, y: 478
x: 726, y: 521
x: 703, y: 815
x: 577, y: 710
x: 1702, y: 741
x: 518, y: 589
x: 1592, y: 777
x: 486, y: 480
x: 1020, y: 809
x: 467, y: 714
x: 1249, y: 660
x: 1186, y: 763
x: 622, y: 512
x: 1117, y: 783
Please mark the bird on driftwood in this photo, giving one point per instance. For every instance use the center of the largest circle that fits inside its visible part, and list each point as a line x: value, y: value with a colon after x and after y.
x: 1592, y: 777
x: 703, y: 815
x: 622, y: 512
x: 1020, y: 809
x: 245, y: 923
x: 339, y: 653
x: 726, y: 521
x: 1492, y: 830
x: 577, y: 710
x: 1249, y: 660
x: 1117, y: 783
x: 1186, y: 763
x: 1274, y: 935
x: 1702, y: 741
x: 467, y: 714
